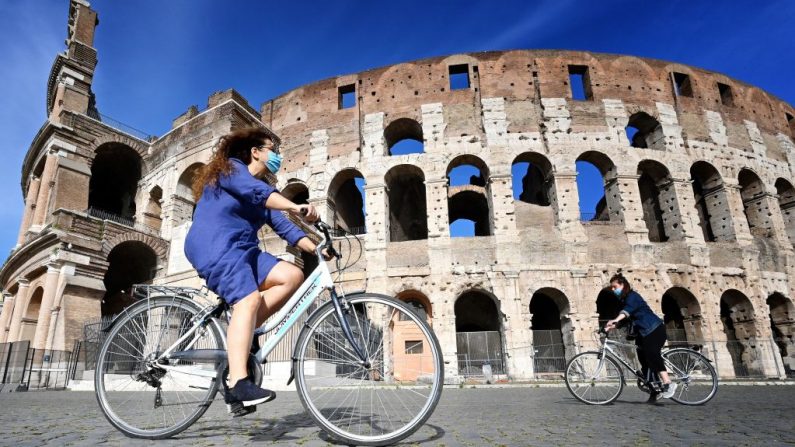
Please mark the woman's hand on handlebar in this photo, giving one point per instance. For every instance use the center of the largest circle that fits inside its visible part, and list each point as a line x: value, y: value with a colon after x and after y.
x: 327, y: 255
x: 307, y: 212
x: 610, y: 325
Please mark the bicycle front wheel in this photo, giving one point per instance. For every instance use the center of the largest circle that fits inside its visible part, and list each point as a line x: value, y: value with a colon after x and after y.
x: 146, y: 399
x: 376, y: 404
x: 696, y: 379
x: 594, y: 378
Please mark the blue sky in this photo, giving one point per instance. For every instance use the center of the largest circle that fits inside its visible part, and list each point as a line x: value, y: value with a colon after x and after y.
x: 157, y: 58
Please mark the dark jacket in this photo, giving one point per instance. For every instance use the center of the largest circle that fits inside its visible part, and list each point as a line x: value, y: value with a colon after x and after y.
x: 640, y: 313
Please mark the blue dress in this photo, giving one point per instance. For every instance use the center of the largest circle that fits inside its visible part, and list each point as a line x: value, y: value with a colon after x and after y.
x: 222, y: 243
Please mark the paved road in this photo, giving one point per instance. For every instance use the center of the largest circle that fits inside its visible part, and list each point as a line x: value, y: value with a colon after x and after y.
x: 739, y: 415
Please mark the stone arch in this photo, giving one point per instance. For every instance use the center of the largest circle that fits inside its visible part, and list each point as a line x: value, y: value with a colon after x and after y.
x: 183, y: 203
x: 782, y: 326
x: 404, y: 136
x: 407, y: 205
x: 297, y: 191
x: 645, y: 131
x: 658, y: 200
x: 115, y: 172
x: 345, y: 201
x: 409, y: 346
x: 468, y: 199
x: 753, y: 194
x: 589, y: 189
x: 737, y: 317
x: 158, y: 246
x: 424, y: 305
x: 153, y: 214
x: 553, y: 337
x: 786, y: 202
x: 30, y: 317
x: 479, y: 338
x: 139, y: 147
x: 129, y: 262
x: 712, y: 202
x: 531, y: 175
x: 682, y: 316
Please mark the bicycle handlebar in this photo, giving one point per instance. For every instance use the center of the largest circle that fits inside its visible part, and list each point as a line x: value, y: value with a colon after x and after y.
x: 323, y: 228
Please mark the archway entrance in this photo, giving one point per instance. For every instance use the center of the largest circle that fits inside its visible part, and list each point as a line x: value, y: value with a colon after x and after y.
x: 129, y: 263
x: 552, y: 334
x: 478, y: 334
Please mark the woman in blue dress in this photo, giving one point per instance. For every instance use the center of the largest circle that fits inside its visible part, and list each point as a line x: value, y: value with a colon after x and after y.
x: 232, y: 203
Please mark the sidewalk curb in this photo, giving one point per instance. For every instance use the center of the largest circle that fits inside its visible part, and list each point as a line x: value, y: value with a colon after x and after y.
x: 563, y: 385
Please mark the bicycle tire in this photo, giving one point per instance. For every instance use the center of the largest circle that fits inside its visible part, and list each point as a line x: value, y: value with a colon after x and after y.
x: 582, y: 383
x: 704, y: 383
x: 391, y: 373
x: 132, y: 340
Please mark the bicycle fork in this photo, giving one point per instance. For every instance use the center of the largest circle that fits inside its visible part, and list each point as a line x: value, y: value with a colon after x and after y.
x: 346, y: 328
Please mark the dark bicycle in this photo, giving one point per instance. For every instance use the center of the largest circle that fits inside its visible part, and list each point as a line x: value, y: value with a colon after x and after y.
x: 596, y: 377
x: 164, y: 358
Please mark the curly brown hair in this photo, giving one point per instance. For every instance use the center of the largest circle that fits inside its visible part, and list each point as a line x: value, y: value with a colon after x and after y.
x: 236, y: 144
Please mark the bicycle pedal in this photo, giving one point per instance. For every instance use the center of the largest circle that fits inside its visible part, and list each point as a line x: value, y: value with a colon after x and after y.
x: 238, y: 410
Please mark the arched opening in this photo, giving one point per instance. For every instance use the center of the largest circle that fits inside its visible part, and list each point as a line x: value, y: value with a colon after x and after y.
x: 297, y: 192
x: 682, y: 316
x: 531, y: 177
x: 552, y: 332
x: 468, y: 197
x: 737, y: 317
x: 597, y: 187
x: 404, y: 136
x: 408, y: 217
x: 786, y: 202
x: 643, y: 131
x: 411, y: 349
x: 31, y: 319
x: 115, y: 172
x: 154, y: 209
x: 712, y: 204
x: 184, y: 205
x: 658, y: 200
x: 131, y: 262
x: 478, y: 334
x: 752, y: 191
x: 346, y: 201
x: 607, y: 306
x: 782, y: 325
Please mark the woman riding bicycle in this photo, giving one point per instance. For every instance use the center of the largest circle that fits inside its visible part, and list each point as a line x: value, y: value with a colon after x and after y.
x: 652, y: 332
x: 233, y: 201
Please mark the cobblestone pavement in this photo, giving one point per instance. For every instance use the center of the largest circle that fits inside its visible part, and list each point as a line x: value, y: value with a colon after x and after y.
x: 739, y: 415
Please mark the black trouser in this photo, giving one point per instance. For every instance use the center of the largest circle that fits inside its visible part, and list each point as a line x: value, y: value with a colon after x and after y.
x: 649, y: 354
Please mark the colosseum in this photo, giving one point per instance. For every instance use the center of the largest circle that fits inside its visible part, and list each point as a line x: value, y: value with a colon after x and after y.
x: 694, y: 170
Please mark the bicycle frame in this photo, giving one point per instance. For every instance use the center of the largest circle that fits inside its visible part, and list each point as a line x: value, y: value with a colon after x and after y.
x: 607, y: 350
x: 318, y: 281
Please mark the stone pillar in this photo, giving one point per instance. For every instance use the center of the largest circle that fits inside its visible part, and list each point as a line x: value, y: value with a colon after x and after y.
x: 5, y: 316
x: 690, y: 230
x: 436, y: 193
x: 47, y: 300
x: 742, y: 233
x: 776, y: 220
x: 30, y: 208
x: 564, y: 200
x: 502, y: 204
x: 631, y: 213
x: 519, y: 352
x: 45, y: 189
x: 19, y: 304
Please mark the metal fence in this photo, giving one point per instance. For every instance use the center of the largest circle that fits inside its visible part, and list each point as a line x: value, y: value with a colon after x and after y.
x: 549, y: 353
x: 476, y: 349
x: 25, y: 368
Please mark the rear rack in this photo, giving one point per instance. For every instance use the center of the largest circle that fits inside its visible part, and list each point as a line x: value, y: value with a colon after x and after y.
x: 146, y: 291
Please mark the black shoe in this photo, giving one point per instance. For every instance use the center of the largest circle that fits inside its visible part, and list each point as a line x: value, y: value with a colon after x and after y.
x: 248, y: 394
x: 653, y: 398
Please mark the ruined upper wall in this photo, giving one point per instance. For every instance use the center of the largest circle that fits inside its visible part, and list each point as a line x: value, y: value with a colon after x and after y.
x: 522, y: 78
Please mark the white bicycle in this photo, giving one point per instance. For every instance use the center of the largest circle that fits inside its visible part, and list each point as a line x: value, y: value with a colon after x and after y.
x: 367, y: 368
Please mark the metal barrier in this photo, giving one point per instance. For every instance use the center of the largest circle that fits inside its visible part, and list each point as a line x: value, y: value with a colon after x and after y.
x: 25, y: 368
x: 549, y: 352
x: 476, y: 349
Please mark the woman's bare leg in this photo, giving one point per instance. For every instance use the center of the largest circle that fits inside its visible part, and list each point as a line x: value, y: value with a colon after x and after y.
x: 250, y: 312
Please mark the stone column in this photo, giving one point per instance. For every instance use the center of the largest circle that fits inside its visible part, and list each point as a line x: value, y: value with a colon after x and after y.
x: 564, y: 199
x: 690, y: 230
x: 66, y: 271
x: 776, y: 220
x: 19, y: 303
x: 436, y: 193
x: 30, y: 207
x: 5, y: 316
x: 735, y: 204
x: 518, y: 335
x: 47, y: 300
x: 502, y: 204
x: 45, y: 189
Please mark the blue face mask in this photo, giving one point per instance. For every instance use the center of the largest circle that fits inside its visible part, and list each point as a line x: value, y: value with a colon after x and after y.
x: 618, y: 291
x: 274, y: 162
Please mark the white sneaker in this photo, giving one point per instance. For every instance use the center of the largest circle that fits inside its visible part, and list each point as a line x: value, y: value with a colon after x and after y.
x: 668, y: 390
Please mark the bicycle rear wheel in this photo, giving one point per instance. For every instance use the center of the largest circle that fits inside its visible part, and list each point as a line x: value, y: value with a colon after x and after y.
x: 144, y: 399
x: 376, y: 405
x: 696, y: 379
x: 594, y: 379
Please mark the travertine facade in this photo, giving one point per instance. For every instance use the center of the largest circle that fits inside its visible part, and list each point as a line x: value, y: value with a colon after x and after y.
x: 698, y: 207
